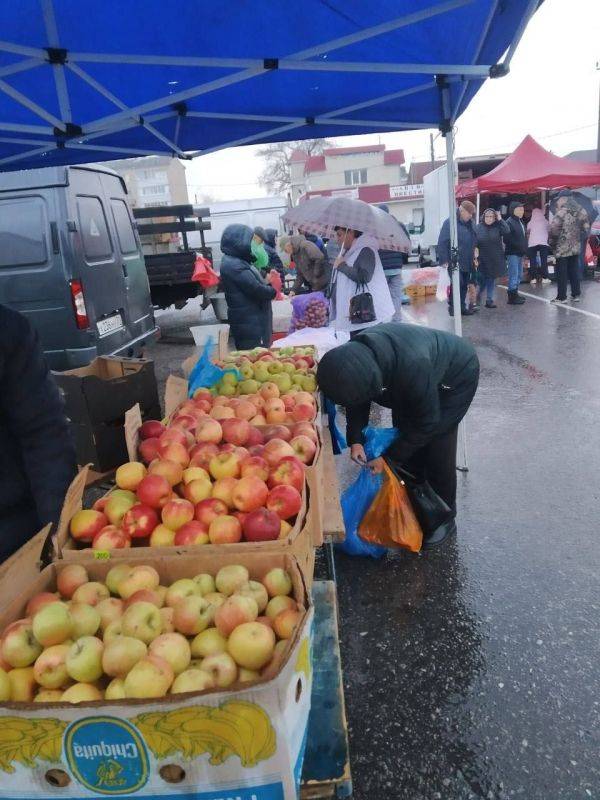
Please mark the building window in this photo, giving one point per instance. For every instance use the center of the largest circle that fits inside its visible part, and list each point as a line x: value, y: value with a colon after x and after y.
x: 354, y: 177
x: 150, y: 190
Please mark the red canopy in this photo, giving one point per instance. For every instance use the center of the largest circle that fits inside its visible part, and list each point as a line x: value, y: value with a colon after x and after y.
x: 532, y: 168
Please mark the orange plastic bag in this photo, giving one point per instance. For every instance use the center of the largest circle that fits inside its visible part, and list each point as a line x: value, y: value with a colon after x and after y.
x: 390, y: 520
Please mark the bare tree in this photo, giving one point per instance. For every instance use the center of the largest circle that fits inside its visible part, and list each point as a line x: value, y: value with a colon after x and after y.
x: 276, y: 176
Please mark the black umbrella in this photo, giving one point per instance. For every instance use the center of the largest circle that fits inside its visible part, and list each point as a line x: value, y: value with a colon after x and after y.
x: 582, y: 200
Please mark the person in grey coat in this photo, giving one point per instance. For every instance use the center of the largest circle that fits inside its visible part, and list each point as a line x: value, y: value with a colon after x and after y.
x: 492, y: 263
x: 467, y: 239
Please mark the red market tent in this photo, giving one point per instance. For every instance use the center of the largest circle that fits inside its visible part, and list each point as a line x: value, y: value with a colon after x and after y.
x: 531, y: 168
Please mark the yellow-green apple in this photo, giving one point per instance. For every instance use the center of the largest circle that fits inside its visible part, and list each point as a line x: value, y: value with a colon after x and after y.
x: 4, y: 686
x: 223, y: 489
x: 20, y: 648
x: 236, y: 430
x: 167, y: 614
x: 114, y: 576
x: 224, y: 465
x: 52, y: 624
x: 161, y: 592
x: 285, y: 623
x: 289, y: 471
x: 162, y: 536
x: 261, y: 525
x: 192, y: 680
x: 121, y: 655
x: 84, y: 659
x: 225, y: 529
x: 142, y: 576
x: 201, y: 454
x: 248, y: 675
x: 129, y: 475
x: 22, y: 684
x: 142, y: 621
x: 198, y: 490
x: 81, y: 693
x: 249, y: 493
x: 148, y: 451
x: 38, y: 601
x: 139, y: 521
x: 257, y: 591
x: 116, y: 507
x: 193, y: 615
x: 109, y: 610
x: 111, y: 538
x: 215, y: 598
x: 154, y: 491
x: 278, y: 604
x: 193, y: 474
x: 208, y: 643
x: 229, y: 578
x: 70, y: 578
x: 85, y: 619
x: 150, y: 677
x: 285, y: 501
x: 304, y: 448
x: 264, y: 620
x: 251, y: 645
x: 174, y: 648
x: 154, y: 596
x: 249, y: 386
x: 285, y: 529
x: 179, y: 590
x: 48, y: 696
x: 205, y: 583
x: 261, y: 373
x: 274, y: 367
x: 86, y: 524
x: 254, y: 466
x: 283, y: 381
x: 236, y: 610
x: 151, y: 429
x: 277, y: 581
x: 115, y: 690
x: 222, y: 668
x: 209, y: 430
x: 174, y: 451
x: 113, y: 631
x: 50, y: 669
x: 275, y: 450
x: 176, y: 513
x: 192, y: 533
x: 172, y: 471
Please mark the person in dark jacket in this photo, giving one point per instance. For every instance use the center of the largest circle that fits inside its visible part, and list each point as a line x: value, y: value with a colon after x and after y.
x: 247, y: 294
x: 313, y: 270
x: 392, y: 262
x: 428, y: 378
x: 516, y: 246
x: 466, y: 251
x: 492, y: 264
x: 269, y: 237
x: 37, y: 458
x: 569, y: 225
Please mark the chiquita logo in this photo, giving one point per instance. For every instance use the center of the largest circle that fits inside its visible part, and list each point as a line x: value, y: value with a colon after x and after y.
x: 106, y: 755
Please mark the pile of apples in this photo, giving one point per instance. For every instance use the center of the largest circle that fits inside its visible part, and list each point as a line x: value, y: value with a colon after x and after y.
x: 291, y: 372
x: 212, y: 476
x: 131, y: 638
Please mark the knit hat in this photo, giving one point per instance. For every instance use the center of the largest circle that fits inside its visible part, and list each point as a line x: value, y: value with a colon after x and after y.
x: 260, y: 232
x: 349, y: 375
x: 515, y: 204
x: 468, y: 206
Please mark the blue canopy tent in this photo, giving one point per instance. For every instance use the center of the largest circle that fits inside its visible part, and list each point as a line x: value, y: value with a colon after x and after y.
x: 85, y: 81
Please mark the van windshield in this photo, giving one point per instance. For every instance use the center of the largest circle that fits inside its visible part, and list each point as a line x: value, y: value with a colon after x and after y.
x: 22, y: 232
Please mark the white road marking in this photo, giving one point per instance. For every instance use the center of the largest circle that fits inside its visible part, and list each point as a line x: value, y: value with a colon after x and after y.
x: 558, y: 305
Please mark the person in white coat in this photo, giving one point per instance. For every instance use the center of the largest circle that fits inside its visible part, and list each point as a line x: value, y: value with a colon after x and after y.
x: 358, y: 269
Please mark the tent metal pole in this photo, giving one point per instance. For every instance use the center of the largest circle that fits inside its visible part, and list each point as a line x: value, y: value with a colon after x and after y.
x: 21, y: 66
x: 531, y: 8
x: 478, y: 208
x: 19, y: 97
x: 58, y: 69
x: 461, y: 454
x: 472, y: 70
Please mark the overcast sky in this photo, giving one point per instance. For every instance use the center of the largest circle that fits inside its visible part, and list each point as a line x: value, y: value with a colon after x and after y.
x: 551, y: 93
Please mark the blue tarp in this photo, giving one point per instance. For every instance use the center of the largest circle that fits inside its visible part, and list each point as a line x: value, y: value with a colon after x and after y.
x: 135, y: 78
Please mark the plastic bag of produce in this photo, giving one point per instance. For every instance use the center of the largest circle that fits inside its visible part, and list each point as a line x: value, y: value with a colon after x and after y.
x: 359, y: 496
x: 204, y: 274
x: 441, y: 293
x: 205, y: 374
x: 309, y: 311
x: 390, y: 520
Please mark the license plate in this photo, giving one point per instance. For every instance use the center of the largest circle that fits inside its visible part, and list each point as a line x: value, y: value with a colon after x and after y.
x: 109, y: 324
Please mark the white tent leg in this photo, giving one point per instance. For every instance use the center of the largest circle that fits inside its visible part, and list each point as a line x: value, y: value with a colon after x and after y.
x: 461, y: 452
x: 478, y: 208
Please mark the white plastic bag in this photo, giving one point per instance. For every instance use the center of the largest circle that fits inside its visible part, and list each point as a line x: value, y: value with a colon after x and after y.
x: 441, y: 292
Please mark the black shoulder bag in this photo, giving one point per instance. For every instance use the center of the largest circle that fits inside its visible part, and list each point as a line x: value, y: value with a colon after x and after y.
x: 362, y: 308
x: 429, y: 508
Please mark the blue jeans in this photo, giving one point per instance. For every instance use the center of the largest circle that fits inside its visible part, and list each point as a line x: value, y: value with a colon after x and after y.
x: 489, y: 287
x: 515, y: 272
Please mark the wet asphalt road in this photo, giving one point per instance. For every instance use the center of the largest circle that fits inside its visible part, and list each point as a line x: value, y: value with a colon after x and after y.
x: 472, y: 672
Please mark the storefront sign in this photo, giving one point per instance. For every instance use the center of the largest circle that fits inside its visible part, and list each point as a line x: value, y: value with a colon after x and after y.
x: 406, y: 190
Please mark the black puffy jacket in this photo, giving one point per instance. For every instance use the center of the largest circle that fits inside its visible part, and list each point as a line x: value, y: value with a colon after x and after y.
x: 515, y: 240
x: 274, y: 261
x: 37, y: 459
x: 248, y: 296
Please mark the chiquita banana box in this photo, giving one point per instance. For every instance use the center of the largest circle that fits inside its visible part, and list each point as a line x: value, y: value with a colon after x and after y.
x: 234, y: 744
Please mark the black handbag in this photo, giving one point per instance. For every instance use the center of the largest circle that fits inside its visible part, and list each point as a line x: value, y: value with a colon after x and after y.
x: 362, y: 308
x: 429, y: 508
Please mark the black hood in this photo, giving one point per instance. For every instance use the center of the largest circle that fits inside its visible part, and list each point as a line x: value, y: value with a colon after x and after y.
x: 350, y: 375
x: 271, y: 236
x: 236, y: 240
x: 513, y: 205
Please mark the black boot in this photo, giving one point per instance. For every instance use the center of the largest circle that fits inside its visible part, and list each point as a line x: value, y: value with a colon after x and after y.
x: 514, y: 298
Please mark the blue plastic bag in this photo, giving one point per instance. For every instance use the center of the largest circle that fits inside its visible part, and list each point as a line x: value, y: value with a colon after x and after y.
x: 206, y: 374
x: 358, y: 497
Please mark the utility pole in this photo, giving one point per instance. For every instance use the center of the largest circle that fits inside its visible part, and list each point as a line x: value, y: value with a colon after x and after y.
x: 432, y: 152
x: 598, y: 141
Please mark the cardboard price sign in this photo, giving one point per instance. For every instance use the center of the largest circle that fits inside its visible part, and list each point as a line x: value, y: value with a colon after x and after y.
x: 133, y: 422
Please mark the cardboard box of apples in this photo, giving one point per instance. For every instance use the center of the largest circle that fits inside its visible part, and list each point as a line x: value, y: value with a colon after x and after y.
x: 125, y: 678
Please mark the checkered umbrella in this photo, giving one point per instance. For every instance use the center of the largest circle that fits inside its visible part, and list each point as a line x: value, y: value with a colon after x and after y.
x: 321, y: 215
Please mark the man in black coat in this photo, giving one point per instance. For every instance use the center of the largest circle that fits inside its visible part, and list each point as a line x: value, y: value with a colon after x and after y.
x: 37, y: 459
x: 467, y: 239
x: 428, y: 379
x: 516, y: 246
x: 247, y: 294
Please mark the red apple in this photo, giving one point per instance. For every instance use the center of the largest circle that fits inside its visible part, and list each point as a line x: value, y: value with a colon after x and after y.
x: 151, y: 429
x: 86, y: 524
x: 245, y: 410
x: 111, y: 538
x: 227, y: 447
x: 303, y: 411
x: 209, y: 509
x: 222, y: 412
x: 289, y: 402
x: 275, y: 450
x: 154, y: 491
x: 305, y: 429
x: 192, y: 532
x: 100, y: 504
x: 129, y: 475
x: 261, y: 525
x: 198, y: 490
x: 175, y: 436
x: 149, y: 450
x: 225, y: 465
x: 171, y: 470
x: 236, y: 431
x: 174, y: 451
x: 202, y: 395
x: 186, y: 421
x: 38, y: 601
x: 277, y: 432
x: 285, y: 501
x: 223, y: 488
x: 249, y: 493
x: 304, y: 448
x: 177, y: 512
x: 225, y: 529
x: 269, y: 390
x: 255, y: 437
x: 139, y: 521
x: 288, y: 472
x: 259, y: 419
x: 257, y: 450
x: 254, y: 465
x: 209, y: 430
x: 201, y: 454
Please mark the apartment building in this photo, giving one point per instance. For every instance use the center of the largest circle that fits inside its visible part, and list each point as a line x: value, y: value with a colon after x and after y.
x: 153, y: 180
